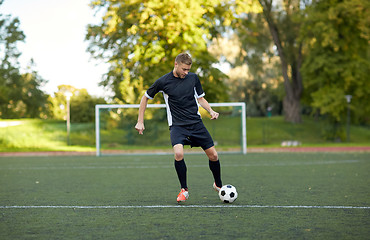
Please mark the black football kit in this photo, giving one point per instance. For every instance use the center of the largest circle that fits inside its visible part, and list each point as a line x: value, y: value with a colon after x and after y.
x: 180, y: 95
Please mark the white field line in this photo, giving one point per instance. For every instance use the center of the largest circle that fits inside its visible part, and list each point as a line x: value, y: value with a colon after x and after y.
x: 184, y: 206
x: 170, y: 165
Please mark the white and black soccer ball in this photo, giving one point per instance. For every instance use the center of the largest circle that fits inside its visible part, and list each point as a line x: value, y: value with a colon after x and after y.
x: 228, y: 193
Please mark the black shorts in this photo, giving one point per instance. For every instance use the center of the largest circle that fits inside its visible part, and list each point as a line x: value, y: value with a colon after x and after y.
x: 195, y: 135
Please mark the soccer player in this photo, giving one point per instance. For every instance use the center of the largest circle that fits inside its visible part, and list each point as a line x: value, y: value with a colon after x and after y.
x: 182, y: 92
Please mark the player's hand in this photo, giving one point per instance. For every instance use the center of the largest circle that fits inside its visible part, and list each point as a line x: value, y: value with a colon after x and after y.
x: 140, y: 128
x: 214, y: 115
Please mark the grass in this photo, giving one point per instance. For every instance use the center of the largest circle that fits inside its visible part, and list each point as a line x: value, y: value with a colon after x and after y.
x: 272, y: 131
x: 262, y: 179
x: 44, y: 135
x: 50, y: 135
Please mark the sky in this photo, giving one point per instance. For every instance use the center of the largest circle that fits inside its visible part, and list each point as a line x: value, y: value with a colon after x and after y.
x: 55, y: 32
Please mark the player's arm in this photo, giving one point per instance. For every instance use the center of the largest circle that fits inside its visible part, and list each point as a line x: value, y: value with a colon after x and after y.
x: 140, y: 120
x: 204, y: 103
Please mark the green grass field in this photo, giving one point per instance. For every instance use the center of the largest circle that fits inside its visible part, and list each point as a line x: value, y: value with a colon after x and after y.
x: 281, y: 196
x: 22, y: 135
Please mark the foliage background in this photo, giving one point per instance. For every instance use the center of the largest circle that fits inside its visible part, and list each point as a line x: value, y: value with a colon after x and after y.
x: 324, y: 43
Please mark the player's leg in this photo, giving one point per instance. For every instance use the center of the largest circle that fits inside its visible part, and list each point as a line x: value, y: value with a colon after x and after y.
x: 178, y: 138
x: 178, y: 150
x: 181, y: 170
x: 180, y: 165
x: 201, y: 137
x: 214, y: 166
x: 212, y: 154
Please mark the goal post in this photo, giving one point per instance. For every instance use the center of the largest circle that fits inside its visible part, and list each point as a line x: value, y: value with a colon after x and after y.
x: 115, y: 133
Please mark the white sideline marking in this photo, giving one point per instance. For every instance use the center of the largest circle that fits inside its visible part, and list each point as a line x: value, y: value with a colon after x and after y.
x: 169, y: 165
x: 184, y: 206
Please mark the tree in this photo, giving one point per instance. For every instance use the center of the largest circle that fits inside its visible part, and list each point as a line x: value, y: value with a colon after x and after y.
x: 284, y: 22
x: 337, y: 62
x: 253, y: 75
x: 35, y: 100
x: 82, y: 105
x: 20, y: 94
x: 59, y: 101
x: 140, y: 39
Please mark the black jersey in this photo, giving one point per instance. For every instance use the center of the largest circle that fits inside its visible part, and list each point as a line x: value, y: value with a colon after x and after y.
x: 180, y: 95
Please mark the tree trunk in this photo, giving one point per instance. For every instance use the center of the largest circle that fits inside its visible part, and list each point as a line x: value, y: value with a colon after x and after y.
x: 293, y: 86
x: 292, y: 110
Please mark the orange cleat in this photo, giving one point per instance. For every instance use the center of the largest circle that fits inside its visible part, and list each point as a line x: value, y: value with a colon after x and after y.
x: 216, y: 188
x: 183, y: 195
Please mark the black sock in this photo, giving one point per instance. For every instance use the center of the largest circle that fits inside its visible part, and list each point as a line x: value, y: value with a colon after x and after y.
x: 216, y: 171
x: 181, y: 169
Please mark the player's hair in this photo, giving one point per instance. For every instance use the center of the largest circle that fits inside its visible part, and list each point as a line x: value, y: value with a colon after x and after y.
x: 184, y: 58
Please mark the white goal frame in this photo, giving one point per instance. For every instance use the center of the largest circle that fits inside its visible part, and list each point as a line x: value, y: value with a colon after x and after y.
x: 226, y: 104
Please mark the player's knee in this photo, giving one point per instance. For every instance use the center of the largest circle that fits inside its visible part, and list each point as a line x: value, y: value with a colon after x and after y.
x: 213, y: 156
x: 179, y: 156
x: 179, y: 152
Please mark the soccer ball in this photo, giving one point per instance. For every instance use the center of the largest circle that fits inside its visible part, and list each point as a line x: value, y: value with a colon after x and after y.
x: 228, y: 193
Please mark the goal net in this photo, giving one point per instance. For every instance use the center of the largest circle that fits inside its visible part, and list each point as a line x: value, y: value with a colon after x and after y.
x: 116, y: 134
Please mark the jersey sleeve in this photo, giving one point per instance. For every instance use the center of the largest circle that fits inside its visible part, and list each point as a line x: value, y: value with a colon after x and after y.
x: 154, y: 89
x: 198, y: 88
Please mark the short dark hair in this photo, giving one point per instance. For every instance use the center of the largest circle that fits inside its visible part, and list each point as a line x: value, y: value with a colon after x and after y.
x: 184, y: 58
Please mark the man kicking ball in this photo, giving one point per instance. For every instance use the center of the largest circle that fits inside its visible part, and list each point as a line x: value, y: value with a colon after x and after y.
x: 182, y: 92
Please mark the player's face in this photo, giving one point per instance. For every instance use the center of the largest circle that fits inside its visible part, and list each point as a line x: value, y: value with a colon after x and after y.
x: 182, y: 69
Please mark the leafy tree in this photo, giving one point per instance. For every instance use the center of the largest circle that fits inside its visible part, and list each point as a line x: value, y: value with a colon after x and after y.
x: 20, y: 94
x: 9, y: 73
x: 337, y: 62
x: 284, y: 21
x: 141, y: 39
x: 82, y: 105
x: 59, y: 101
x: 253, y: 75
x: 35, y: 100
